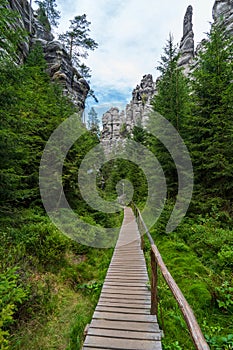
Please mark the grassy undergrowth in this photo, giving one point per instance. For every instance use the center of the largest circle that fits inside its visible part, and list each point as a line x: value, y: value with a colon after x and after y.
x: 49, y: 284
x: 199, y: 257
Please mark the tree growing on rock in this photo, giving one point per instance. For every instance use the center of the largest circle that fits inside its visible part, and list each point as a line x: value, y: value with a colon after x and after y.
x: 77, y: 40
x: 48, y: 15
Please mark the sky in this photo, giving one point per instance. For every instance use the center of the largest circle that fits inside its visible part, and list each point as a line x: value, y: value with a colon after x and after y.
x: 131, y: 35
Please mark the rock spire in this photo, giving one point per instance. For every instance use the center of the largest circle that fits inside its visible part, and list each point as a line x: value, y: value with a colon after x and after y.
x: 187, y: 41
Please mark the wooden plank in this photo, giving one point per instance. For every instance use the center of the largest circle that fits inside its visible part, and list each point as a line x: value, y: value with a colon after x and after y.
x: 117, y: 302
x: 125, y: 291
x: 129, y: 317
x: 125, y: 334
x: 125, y: 284
x: 125, y: 325
x: 116, y: 343
x: 125, y: 297
x: 123, y: 310
x: 119, y: 277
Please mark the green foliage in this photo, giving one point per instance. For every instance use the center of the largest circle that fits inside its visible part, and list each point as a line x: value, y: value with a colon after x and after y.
x: 12, y: 294
x: 91, y: 287
x: 42, y: 240
x: 225, y: 297
x: 173, y: 103
x: 173, y: 346
x: 30, y: 109
x: 172, y: 99
x: 47, y: 13
x: 77, y: 40
x: 210, y: 126
x: 214, y: 338
x: 42, y: 17
x: 10, y: 35
x: 93, y: 121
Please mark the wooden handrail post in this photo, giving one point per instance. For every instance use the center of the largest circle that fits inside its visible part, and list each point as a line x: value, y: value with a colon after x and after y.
x: 142, y: 241
x: 154, y: 284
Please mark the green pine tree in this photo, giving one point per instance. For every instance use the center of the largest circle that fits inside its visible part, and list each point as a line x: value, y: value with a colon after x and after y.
x: 211, y: 125
x: 172, y: 102
x: 77, y: 40
x: 93, y: 121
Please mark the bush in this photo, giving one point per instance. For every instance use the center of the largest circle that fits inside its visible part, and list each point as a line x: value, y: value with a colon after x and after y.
x: 42, y: 240
x: 12, y: 294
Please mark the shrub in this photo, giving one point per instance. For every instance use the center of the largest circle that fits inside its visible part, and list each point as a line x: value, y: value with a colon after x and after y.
x: 12, y: 294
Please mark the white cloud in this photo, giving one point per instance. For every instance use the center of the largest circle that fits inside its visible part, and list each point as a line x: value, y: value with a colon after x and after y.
x: 131, y: 35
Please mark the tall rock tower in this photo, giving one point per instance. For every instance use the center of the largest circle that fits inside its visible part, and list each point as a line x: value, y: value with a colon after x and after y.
x: 117, y: 125
x: 187, y: 41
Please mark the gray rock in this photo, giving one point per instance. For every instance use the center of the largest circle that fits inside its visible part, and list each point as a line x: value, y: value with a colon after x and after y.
x: 60, y: 67
x: 223, y: 9
x: 116, y: 125
x: 187, y: 42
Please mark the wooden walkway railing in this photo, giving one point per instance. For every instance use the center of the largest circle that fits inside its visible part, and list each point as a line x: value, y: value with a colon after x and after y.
x: 157, y: 261
x: 125, y: 317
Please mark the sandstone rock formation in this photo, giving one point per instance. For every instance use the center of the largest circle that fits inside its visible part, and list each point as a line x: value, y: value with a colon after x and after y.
x: 60, y: 67
x: 117, y: 125
x: 187, y: 41
x: 223, y: 9
x: 113, y: 129
x: 137, y: 111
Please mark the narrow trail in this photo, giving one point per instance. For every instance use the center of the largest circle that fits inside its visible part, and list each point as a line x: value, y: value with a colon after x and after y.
x: 122, y: 318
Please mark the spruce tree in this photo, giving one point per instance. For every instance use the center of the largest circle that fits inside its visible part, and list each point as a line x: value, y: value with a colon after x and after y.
x: 93, y: 121
x: 211, y: 123
x: 172, y: 102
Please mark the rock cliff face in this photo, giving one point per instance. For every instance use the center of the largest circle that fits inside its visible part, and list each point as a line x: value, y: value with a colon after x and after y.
x: 223, y: 9
x: 60, y: 67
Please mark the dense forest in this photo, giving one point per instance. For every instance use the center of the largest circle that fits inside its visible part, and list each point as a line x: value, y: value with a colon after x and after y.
x: 49, y: 284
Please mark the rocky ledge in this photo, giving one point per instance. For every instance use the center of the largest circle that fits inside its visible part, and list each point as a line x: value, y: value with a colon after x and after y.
x: 60, y: 67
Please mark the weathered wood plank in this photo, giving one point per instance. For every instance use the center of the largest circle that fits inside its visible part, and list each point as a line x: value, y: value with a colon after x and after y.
x: 117, y: 343
x: 120, y: 304
x: 125, y: 325
x: 126, y: 317
x: 123, y: 310
x: 125, y: 334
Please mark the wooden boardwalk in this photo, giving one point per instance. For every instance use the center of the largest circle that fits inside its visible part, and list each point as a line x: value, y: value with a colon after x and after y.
x: 122, y: 317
